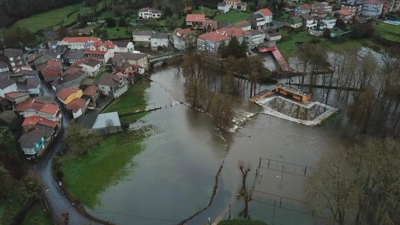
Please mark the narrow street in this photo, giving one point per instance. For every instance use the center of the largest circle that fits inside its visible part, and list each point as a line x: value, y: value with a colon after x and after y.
x: 57, y: 202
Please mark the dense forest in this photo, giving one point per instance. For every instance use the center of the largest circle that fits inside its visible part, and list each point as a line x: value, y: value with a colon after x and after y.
x: 13, y: 10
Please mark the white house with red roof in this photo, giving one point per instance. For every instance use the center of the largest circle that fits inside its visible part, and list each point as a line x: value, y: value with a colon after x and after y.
x: 195, y: 21
x: 149, y: 13
x: 346, y: 14
x: 77, y: 107
x: 266, y: 14
x: 99, y: 50
x: 44, y: 109
x: 90, y: 65
x: 211, y: 41
x: 78, y: 42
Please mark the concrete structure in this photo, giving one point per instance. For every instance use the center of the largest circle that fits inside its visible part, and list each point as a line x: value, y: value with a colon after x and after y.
x: 223, y: 7
x: 149, y: 13
x: 266, y: 14
x: 159, y: 40
x: 309, y: 22
x: 257, y: 22
x: 17, y: 97
x: 89, y: 65
x: 31, y: 142
x: 295, y: 21
x: 394, y: 5
x: 184, y: 39
x: 77, y: 42
x: 6, y: 86
x: 99, y: 50
x: 142, y: 37
x: 302, y: 9
x: 112, y: 85
x: 371, y: 8
x: 272, y: 38
x: 255, y: 39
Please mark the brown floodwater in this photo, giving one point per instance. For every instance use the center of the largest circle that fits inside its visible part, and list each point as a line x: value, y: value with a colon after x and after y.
x: 175, y: 175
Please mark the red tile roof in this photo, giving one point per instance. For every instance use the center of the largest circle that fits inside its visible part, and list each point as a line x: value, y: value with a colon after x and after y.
x: 187, y: 9
x: 195, y: 17
x: 345, y: 12
x: 212, y: 22
x: 42, y: 106
x: 91, y: 90
x: 305, y: 7
x: 51, y: 65
x: 75, y: 105
x: 98, y: 44
x: 66, y: 92
x: 80, y: 39
x: 223, y: 34
x: 137, y: 66
x: 33, y: 120
x: 266, y: 12
x: 214, y: 37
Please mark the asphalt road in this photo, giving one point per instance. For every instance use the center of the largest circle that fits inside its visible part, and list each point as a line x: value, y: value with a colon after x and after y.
x: 57, y: 202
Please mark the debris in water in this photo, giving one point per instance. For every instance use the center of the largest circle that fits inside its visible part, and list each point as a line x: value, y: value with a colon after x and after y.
x: 249, y: 135
x: 278, y: 177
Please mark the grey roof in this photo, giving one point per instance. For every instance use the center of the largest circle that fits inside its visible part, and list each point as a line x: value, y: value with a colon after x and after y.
x: 109, y: 80
x: 85, y: 31
x: 67, y: 78
x: 74, y: 54
x: 12, y: 52
x: 274, y: 34
x: 307, y: 17
x: 102, y: 118
x: 85, y: 97
x: 142, y: 32
x: 6, y: 83
x: 45, y: 130
x: 160, y: 35
x: 24, y: 73
x: 3, y: 64
x: 222, y: 4
x: 91, y: 62
x: 121, y: 43
x: 258, y: 16
x: 255, y: 32
x: 32, y: 82
x: 30, y: 139
x: 87, y: 120
x: 296, y: 18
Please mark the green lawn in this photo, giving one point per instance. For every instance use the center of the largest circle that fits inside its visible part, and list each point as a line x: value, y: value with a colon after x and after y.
x: 100, y: 74
x: 288, y: 46
x: 387, y: 31
x: 37, y: 215
x: 204, y: 10
x: 46, y: 19
x: 10, y: 207
x: 116, y: 32
x: 232, y: 16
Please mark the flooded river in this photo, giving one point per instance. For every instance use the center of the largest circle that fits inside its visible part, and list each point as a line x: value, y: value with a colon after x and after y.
x: 175, y: 174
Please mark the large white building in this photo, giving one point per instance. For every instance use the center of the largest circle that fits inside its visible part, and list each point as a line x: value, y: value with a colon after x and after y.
x: 149, y: 13
x: 77, y: 42
x: 184, y: 39
x: 371, y: 8
x: 159, y: 40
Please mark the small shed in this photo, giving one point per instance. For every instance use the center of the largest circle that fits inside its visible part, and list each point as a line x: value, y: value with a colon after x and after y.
x: 107, y: 123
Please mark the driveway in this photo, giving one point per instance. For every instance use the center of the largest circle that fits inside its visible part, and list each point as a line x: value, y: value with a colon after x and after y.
x: 57, y: 201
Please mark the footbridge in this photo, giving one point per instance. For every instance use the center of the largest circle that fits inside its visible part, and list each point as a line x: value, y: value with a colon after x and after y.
x: 161, y: 58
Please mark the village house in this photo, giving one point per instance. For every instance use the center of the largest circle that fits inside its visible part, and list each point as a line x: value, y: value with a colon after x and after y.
x: 93, y: 93
x: 17, y: 97
x: 85, y: 32
x: 73, y: 55
x: 7, y: 85
x: 34, y: 121
x: 353, y: 6
x: 149, y: 13
x: 90, y: 65
x: 256, y: 39
x: 67, y: 95
x: 51, y: 71
x: 295, y: 21
x: 257, y: 22
x: 372, y: 8
x: 139, y: 59
x: 266, y: 14
x: 187, y: 10
x: 112, y: 85
x: 142, y: 37
x: 322, y: 5
x: 184, y: 39
x: 211, y: 41
x: 5, y: 104
x: 123, y: 46
x: 44, y: 109
x: 345, y: 14
x: 99, y: 50
x: 3, y: 66
x: 302, y: 9
x: 236, y: 4
x: 309, y: 22
x: 41, y: 58
x: 78, y: 42
x: 31, y: 142
x: 159, y: 40
x: 244, y: 25
x: 30, y: 85
x: 71, y: 78
x: 14, y: 58
x: 210, y: 25
x: 330, y: 22
x: 77, y: 107
x: 223, y: 7
x: 272, y: 38
x: 101, y: 124
x: 195, y: 21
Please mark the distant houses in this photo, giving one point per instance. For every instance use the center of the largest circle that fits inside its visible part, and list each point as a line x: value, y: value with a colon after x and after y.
x: 149, y: 13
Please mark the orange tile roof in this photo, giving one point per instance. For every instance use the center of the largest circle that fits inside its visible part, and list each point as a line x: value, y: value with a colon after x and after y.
x: 42, y: 106
x: 195, y: 17
x: 91, y: 90
x: 75, y: 105
x: 345, y: 12
x: 80, y: 39
x: 213, y: 36
x: 305, y: 7
x: 33, y: 120
x: 66, y: 92
x: 266, y: 12
x: 187, y: 8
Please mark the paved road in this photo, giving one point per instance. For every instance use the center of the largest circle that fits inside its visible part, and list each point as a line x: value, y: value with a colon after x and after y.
x: 56, y: 200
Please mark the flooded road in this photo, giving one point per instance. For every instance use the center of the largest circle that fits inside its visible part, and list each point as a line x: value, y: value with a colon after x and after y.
x: 175, y: 174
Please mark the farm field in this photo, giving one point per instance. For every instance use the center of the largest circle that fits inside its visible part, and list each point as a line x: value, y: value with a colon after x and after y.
x: 232, y: 16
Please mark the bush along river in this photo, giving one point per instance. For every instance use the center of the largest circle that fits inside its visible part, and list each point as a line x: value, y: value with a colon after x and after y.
x: 165, y: 171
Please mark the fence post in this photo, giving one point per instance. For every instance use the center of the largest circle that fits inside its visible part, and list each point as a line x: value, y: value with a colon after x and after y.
x: 305, y: 171
x: 280, y: 203
x: 269, y: 160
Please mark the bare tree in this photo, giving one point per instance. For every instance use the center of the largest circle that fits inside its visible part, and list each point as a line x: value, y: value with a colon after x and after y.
x: 109, y: 126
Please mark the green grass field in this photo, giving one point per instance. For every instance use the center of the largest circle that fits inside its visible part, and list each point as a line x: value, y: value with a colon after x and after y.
x: 287, y: 47
x: 37, y: 215
x: 387, y: 31
x: 46, y: 19
x: 204, y: 10
x: 232, y: 16
x: 87, y: 176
